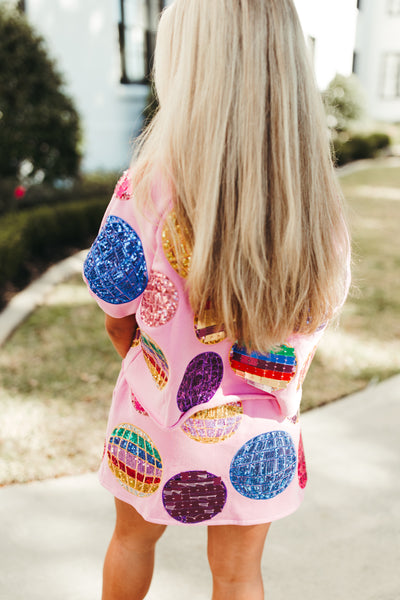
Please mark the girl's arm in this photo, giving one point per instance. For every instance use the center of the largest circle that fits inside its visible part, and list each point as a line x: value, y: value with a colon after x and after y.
x: 121, y: 332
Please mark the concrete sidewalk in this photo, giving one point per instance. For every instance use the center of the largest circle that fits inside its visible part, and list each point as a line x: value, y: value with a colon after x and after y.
x: 343, y: 543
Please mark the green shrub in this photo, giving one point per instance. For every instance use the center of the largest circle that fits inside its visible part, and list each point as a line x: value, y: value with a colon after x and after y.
x: 44, y: 233
x: 39, y: 125
x: 344, y: 102
x: 379, y: 141
x: 359, y: 147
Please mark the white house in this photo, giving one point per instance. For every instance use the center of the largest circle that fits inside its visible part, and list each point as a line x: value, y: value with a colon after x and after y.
x: 330, y: 27
x: 103, y: 49
x: 377, y: 57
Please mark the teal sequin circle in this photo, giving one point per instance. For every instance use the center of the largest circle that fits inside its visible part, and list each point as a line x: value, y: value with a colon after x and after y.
x: 116, y: 266
x: 264, y: 466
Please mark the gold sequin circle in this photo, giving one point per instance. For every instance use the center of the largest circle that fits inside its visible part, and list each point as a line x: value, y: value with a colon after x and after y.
x: 214, y: 425
x: 176, y: 245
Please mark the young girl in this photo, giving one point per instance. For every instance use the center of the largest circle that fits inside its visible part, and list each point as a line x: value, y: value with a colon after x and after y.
x: 221, y: 258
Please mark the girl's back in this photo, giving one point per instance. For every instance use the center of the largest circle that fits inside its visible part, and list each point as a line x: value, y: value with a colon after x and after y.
x: 227, y: 241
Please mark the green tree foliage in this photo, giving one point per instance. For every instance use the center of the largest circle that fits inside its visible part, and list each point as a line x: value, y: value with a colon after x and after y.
x: 344, y: 102
x: 39, y: 126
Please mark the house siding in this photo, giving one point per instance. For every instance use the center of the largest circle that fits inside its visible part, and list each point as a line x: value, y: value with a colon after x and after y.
x: 83, y: 39
x: 378, y: 36
x: 82, y: 36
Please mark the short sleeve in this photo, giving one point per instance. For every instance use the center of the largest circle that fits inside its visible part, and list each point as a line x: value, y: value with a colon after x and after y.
x: 117, y: 266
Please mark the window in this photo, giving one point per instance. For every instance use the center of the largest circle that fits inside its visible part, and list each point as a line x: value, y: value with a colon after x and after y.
x: 137, y: 34
x: 393, y: 7
x: 355, y: 62
x: 312, y: 42
x: 391, y: 77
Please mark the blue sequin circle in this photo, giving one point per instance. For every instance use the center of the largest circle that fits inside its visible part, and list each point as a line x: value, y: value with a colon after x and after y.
x: 115, y: 266
x: 202, y: 378
x: 264, y: 466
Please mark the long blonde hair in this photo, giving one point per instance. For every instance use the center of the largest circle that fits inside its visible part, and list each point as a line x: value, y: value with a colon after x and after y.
x: 242, y: 139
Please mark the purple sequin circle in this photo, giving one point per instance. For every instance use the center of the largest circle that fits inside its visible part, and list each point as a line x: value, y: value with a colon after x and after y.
x: 194, y: 496
x: 160, y: 300
x: 202, y: 378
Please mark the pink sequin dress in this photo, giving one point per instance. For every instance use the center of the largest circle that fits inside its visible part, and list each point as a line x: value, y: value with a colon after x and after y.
x: 200, y: 430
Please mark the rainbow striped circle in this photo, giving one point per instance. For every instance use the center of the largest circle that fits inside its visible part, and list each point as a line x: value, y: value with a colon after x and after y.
x: 134, y: 460
x: 270, y: 372
x: 155, y: 360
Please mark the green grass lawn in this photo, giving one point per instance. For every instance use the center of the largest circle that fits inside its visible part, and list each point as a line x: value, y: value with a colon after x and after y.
x: 58, y: 370
x: 366, y: 346
x: 56, y: 378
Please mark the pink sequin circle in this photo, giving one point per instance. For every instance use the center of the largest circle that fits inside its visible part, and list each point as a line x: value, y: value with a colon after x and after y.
x: 123, y: 189
x: 302, y: 469
x: 137, y: 406
x: 160, y: 300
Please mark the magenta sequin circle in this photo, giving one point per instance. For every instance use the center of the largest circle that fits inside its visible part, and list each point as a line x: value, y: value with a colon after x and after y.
x: 137, y: 406
x: 123, y: 189
x: 293, y: 419
x: 194, y: 496
x: 159, y: 301
x: 301, y: 468
x: 214, y: 425
x: 202, y: 378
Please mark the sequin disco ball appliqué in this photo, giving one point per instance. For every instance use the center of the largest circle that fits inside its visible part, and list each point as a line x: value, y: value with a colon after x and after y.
x: 159, y: 302
x: 155, y: 360
x: 302, y: 469
x: 123, y: 189
x: 136, y: 339
x: 202, y: 378
x: 214, y: 425
x: 137, y: 406
x: 206, y: 329
x: 269, y: 372
x: 176, y: 245
x: 115, y: 266
x: 264, y: 466
x: 134, y: 460
x: 194, y: 496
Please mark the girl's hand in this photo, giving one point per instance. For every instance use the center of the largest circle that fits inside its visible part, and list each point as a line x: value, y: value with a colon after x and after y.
x: 121, y: 332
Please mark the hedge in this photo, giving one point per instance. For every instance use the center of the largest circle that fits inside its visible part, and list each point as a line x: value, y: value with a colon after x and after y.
x: 89, y: 186
x: 359, y: 147
x: 44, y: 233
